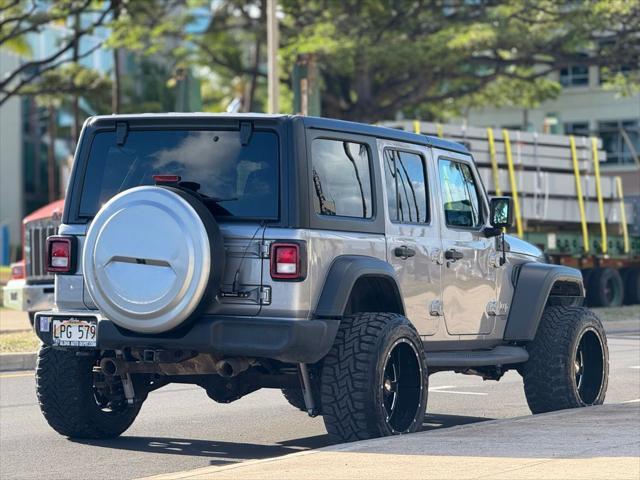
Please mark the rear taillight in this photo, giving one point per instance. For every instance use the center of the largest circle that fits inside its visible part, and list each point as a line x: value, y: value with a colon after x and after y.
x: 17, y: 270
x: 61, y: 254
x: 288, y: 261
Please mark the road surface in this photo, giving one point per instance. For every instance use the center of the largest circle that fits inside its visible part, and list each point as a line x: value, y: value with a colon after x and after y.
x: 180, y: 428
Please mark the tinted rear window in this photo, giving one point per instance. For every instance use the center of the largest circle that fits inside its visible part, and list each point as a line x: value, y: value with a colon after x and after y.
x: 236, y: 180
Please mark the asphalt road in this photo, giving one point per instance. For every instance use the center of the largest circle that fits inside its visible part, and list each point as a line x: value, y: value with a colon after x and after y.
x: 180, y: 428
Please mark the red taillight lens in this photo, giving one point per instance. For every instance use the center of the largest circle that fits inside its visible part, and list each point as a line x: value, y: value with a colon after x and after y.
x: 17, y: 270
x: 60, y: 254
x: 286, y: 261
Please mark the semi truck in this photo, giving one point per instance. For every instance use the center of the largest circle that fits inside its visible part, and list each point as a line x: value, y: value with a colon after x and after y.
x: 30, y: 287
x: 564, y: 204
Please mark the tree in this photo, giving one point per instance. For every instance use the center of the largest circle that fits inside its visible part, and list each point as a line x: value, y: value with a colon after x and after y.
x: 19, y: 18
x: 381, y: 57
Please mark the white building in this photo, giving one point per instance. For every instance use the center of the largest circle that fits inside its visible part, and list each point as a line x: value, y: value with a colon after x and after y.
x: 584, y: 107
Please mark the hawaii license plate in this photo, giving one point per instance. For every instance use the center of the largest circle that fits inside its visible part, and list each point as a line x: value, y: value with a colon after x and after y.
x: 74, y: 332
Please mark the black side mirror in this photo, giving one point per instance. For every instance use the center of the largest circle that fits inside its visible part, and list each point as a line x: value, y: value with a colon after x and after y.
x: 501, y: 212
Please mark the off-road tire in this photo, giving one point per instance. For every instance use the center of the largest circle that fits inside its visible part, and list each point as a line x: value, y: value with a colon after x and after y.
x: 550, y: 374
x: 352, y: 384
x: 64, y: 384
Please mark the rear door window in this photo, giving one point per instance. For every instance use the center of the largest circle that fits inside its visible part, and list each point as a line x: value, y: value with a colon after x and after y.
x: 406, y: 187
x: 235, y: 180
x: 341, y: 178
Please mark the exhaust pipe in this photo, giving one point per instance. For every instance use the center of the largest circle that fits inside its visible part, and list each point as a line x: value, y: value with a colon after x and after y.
x: 109, y: 367
x: 230, y: 367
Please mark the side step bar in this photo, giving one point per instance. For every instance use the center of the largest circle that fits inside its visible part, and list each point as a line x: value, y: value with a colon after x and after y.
x: 502, y: 355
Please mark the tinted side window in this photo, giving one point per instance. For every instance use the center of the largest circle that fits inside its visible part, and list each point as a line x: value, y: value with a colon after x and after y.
x: 406, y: 186
x: 341, y: 178
x: 460, y: 194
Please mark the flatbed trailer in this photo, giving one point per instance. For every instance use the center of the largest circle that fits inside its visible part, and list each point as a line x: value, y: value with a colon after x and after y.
x: 563, y: 204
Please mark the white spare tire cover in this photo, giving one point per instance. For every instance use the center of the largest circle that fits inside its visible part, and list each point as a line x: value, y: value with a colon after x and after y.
x: 152, y: 256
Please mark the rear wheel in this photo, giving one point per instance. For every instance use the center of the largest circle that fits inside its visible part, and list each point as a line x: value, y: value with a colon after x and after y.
x: 75, y: 401
x: 374, y: 379
x: 605, y: 288
x: 568, y: 364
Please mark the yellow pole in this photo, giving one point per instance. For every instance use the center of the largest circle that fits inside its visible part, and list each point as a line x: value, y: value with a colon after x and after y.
x: 596, y: 169
x: 623, y: 215
x: 576, y: 174
x: 439, y: 130
x: 494, y: 161
x: 416, y: 126
x: 512, y: 180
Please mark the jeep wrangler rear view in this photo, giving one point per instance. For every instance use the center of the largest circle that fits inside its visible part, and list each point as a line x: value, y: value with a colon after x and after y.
x: 339, y: 262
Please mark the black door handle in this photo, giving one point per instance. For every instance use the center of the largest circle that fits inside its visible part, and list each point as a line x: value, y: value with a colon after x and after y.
x: 404, y: 252
x: 453, y: 255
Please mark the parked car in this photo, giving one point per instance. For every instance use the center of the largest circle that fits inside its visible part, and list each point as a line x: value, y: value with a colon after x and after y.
x: 30, y: 287
x: 340, y: 262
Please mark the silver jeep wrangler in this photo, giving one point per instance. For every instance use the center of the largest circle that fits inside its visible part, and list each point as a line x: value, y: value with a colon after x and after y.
x: 342, y: 263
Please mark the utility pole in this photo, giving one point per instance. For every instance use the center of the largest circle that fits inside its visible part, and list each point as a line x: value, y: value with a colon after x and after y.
x: 272, y: 55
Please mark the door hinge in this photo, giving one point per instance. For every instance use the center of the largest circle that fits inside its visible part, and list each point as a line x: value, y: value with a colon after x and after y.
x: 495, y: 260
x: 265, y: 295
x: 265, y: 248
x: 436, y: 309
x: 495, y: 307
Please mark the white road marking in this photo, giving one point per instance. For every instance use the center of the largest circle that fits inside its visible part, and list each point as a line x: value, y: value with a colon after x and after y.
x: 637, y: 400
x: 637, y: 367
x: 442, y: 390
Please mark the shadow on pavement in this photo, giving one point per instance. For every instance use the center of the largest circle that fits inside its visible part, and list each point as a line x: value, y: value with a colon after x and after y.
x: 220, y: 453
x: 433, y: 421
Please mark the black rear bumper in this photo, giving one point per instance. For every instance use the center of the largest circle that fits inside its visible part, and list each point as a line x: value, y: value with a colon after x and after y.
x: 284, y: 339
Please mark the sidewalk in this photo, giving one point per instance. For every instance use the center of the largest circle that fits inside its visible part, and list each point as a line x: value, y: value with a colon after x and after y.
x: 588, y: 443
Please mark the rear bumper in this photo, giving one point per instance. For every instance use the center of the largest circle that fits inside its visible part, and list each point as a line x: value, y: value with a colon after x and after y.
x: 18, y: 295
x: 284, y: 339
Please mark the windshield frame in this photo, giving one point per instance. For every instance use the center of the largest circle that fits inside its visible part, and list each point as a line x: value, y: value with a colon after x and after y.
x: 72, y: 214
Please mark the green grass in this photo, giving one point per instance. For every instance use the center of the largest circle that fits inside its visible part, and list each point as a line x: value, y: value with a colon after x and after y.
x: 5, y: 273
x: 19, y: 342
x: 630, y: 312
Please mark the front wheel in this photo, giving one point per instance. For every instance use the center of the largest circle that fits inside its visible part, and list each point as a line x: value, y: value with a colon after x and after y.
x: 374, y: 379
x: 568, y: 364
x: 75, y: 401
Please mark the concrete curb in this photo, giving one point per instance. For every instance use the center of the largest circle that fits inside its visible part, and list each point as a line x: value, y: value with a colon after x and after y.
x: 17, y: 361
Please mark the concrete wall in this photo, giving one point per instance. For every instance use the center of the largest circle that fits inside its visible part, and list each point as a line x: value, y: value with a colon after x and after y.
x: 11, y: 173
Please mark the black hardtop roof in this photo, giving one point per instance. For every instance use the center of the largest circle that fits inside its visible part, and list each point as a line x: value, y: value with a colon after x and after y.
x: 309, y: 122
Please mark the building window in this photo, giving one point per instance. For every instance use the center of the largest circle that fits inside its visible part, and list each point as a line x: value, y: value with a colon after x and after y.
x: 576, y: 128
x: 621, y: 140
x: 574, y: 76
x: 341, y: 178
x: 406, y: 187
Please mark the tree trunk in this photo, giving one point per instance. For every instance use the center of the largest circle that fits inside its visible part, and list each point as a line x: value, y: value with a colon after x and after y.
x: 51, y: 155
x: 115, y: 88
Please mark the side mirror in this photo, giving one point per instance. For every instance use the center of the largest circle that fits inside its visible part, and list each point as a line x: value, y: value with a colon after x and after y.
x: 501, y: 212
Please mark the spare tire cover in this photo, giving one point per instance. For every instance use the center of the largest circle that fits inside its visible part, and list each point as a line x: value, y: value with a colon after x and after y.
x: 148, y: 259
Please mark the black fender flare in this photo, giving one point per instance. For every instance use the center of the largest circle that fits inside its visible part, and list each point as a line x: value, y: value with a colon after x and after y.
x: 535, y: 283
x: 343, y: 274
